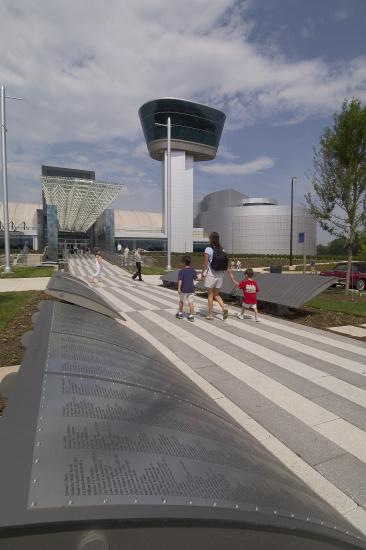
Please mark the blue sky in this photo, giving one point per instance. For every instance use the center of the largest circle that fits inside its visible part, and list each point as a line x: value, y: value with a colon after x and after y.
x: 277, y: 68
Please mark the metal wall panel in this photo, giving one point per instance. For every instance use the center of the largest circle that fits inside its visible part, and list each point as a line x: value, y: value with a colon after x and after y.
x: 68, y: 288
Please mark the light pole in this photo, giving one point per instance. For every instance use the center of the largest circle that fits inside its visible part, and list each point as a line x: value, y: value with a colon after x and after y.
x: 5, y: 179
x: 292, y: 216
x: 168, y: 126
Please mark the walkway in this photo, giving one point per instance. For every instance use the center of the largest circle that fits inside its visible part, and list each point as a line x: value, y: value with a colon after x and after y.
x: 301, y: 392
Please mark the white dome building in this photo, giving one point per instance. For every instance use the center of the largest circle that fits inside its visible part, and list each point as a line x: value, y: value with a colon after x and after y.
x: 255, y: 225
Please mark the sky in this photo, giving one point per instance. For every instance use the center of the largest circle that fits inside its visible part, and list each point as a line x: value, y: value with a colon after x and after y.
x: 279, y: 69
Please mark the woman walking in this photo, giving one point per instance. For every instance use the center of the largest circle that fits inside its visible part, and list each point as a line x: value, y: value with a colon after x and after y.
x: 215, y: 265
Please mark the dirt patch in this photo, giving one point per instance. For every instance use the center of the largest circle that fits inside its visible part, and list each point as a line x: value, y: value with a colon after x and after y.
x: 322, y: 319
x: 11, y: 349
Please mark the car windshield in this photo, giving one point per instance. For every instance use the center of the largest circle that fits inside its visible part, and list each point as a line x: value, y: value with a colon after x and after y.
x: 340, y: 267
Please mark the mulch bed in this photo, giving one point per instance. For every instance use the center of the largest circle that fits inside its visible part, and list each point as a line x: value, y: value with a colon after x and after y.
x: 322, y: 319
x: 11, y: 349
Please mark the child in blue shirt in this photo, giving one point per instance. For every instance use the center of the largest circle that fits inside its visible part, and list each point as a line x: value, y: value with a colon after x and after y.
x: 186, y: 276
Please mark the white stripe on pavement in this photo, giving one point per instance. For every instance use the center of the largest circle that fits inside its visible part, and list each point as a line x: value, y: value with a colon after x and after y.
x: 295, y: 404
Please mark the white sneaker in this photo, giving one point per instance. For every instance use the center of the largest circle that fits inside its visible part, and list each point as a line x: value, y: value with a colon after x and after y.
x: 240, y: 316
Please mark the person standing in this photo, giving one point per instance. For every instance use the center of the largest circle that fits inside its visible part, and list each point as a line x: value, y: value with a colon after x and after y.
x: 138, y: 261
x: 186, y: 276
x: 214, y: 267
x: 250, y: 290
x: 125, y: 256
x: 119, y: 248
x: 238, y: 265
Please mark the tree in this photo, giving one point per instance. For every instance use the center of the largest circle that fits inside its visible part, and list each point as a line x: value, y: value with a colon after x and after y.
x: 339, y: 177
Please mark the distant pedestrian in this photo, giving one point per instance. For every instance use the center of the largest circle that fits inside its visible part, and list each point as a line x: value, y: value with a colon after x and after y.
x: 250, y: 290
x: 232, y: 264
x: 238, y: 265
x: 186, y: 276
x: 214, y: 267
x: 313, y: 267
x: 98, y: 267
x: 119, y: 248
x: 138, y: 261
x: 126, y: 252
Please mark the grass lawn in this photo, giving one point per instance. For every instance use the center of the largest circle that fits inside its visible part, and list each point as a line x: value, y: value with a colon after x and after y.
x: 337, y: 300
x: 28, y: 271
x: 10, y: 303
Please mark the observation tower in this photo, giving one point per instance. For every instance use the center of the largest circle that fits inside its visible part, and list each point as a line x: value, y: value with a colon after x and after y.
x: 195, y: 135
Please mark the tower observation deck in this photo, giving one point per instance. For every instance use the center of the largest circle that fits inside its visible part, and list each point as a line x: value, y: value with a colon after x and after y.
x: 195, y: 135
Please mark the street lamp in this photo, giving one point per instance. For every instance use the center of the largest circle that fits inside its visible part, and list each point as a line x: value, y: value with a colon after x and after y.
x: 168, y: 126
x: 292, y: 216
x: 5, y: 179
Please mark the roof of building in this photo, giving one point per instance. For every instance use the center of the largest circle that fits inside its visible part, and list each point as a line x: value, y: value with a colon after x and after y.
x: 20, y: 213
x: 134, y: 219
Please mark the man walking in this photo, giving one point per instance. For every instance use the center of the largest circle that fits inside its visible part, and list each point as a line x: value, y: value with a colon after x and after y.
x: 138, y: 260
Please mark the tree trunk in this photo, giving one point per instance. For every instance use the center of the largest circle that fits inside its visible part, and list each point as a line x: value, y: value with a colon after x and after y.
x: 349, y: 265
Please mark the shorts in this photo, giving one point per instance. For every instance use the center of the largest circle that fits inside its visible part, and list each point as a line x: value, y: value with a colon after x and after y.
x: 214, y: 279
x: 186, y: 297
x: 248, y: 306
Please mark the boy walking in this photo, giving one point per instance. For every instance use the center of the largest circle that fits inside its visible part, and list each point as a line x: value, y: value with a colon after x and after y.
x: 186, y: 276
x: 250, y: 289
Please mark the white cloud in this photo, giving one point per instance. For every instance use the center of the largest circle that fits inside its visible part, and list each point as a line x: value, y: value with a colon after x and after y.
x: 84, y: 68
x: 340, y: 14
x: 243, y: 169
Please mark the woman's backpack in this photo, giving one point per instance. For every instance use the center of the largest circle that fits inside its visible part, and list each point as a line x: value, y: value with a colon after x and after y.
x: 220, y: 260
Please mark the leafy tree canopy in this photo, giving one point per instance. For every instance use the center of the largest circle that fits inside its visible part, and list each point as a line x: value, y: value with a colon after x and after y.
x: 339, y: 174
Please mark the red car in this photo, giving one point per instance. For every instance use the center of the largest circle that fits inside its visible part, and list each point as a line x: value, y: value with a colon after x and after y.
x: 358, y: 274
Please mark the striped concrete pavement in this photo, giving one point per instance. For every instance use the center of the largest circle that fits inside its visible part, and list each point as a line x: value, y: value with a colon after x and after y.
x: 301, y: 392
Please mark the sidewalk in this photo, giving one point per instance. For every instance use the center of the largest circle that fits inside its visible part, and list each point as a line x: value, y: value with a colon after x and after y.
x: 19, y: 285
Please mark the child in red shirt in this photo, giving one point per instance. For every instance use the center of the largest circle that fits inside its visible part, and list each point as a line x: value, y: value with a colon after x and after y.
x: 250, y: 289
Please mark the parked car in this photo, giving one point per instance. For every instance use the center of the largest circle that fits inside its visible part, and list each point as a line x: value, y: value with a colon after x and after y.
x: 358, y: 274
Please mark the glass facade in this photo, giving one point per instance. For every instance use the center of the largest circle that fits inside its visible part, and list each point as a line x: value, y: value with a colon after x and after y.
x: 56, y: 171
x: 191, y: 122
